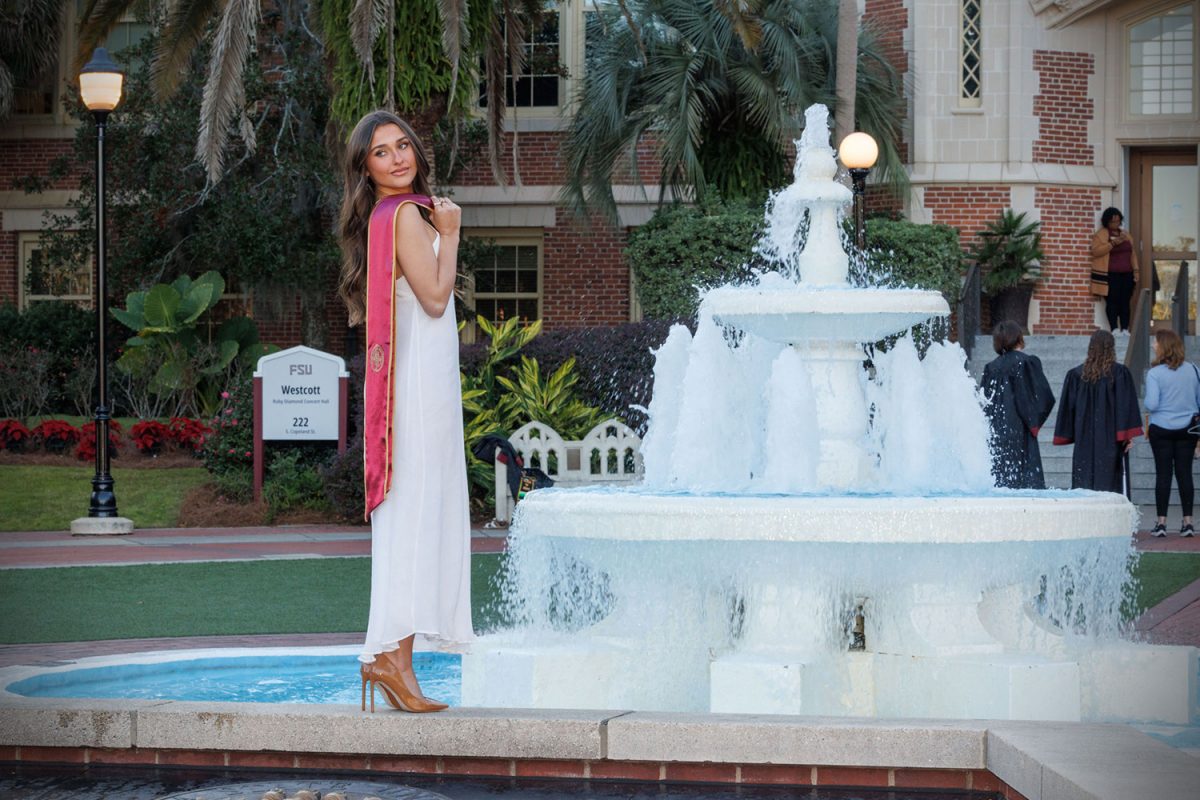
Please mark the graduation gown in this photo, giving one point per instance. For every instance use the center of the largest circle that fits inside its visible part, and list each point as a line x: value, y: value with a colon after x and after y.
x: 1020, y: 403
x: 1098, y: 418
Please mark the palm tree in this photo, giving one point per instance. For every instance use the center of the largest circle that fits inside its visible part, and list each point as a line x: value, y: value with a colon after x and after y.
x: 718, y: 86
x: 29, y: 32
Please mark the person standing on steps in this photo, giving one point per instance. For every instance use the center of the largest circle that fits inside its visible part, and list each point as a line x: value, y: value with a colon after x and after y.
x: 1114, y: 268
x: 1173, y: 402
x: 400, y: 248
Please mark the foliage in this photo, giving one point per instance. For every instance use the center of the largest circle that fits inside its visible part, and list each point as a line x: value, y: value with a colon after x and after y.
x: 86, y: 449
x: 229, y: 450
x: 1009, y: 251
x: 685, y: 249
x: 291, y: 483
x: 24, y: 381
x: 13, y: 434
x: 719, y: 89
x: 149, y: 435
x: 61, y: 333
x: 530, y: 396
x: 29, y: 33
x: 167, y: 346
x: 189, y: 434
x: 265, y: 226
x: 903, y: 253
x: 343, y: 482
x: 56, y: 435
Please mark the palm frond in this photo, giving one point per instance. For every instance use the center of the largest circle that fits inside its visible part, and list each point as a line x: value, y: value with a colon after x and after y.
x: 743, y: 16
x: 96, y: 21
x: 224, y: 91
x: 494, y: 62
x: 187, y: 23
x: 455, y: 35
x: 29, y: 34
x: 367, y: 19
x: 7, y: 91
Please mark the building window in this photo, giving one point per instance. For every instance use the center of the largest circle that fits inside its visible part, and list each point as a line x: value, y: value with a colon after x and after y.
x: 1162, y: 63
x: 509, y: 281
x: 539, y: 83
x: 41, y: 282
x: 970, y: 94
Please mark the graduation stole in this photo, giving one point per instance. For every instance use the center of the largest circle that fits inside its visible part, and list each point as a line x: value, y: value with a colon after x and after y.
x: 378, y: 387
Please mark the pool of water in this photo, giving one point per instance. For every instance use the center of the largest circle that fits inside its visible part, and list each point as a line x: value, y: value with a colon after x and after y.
x: 124, y: 783
x: 239, y: 679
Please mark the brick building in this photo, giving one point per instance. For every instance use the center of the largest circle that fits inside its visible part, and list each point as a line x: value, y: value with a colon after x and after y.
x: 1055, y: 107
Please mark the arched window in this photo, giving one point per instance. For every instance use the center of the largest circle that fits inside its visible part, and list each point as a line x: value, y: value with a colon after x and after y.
x: 1162, y: 63
x: 970, y: 81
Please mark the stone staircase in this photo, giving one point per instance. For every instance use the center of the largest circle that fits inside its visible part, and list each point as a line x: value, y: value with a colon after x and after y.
x: 1058, y: 355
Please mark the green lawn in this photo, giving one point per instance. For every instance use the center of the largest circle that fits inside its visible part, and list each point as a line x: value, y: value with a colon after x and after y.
x: 290, y: 596
x: 47, y: 498
x: 237, y: 597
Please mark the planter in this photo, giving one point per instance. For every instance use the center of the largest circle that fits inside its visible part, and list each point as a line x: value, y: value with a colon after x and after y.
x: 1012, y: 303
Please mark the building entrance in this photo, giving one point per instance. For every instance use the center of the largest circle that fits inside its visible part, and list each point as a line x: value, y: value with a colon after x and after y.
x: 1163, y: 219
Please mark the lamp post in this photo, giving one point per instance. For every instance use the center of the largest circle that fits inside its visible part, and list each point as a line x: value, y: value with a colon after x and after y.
x: 858, y: 152
x: 100, y: 83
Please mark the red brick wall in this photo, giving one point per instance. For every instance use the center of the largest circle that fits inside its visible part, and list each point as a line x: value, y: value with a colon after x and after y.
x: 1062, y: 107
x: 889, y: 20
x: 8, y: 264
x: 22, y: 157
x: 585, y: 280
x: 541, y: 163
x: 1068, y: 217
x: 967, y: 207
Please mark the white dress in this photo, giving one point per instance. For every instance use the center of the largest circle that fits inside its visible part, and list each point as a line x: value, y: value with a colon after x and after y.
x: 421, y: 532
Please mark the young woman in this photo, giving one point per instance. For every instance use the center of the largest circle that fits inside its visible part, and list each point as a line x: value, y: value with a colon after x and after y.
x: 399, y: 251
x: 1172, y: 398
x: 1020, y: 403
x: 1098, y: 413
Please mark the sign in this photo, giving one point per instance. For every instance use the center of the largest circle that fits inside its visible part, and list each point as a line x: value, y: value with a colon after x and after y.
x: 301, y: 395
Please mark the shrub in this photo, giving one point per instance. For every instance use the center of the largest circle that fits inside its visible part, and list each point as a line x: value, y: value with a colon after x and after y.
x: 291, y: 483
x: 229, y: 450
x: 188, y: 433
x: 684, y: 249
x: 343, y: 482
x: 56, y: 435
x: 149, y: 435
x: 903, y: 253
x: 25, y: 387
x: 63, y: 332
x: 13, y: 434
x: 86, y: 450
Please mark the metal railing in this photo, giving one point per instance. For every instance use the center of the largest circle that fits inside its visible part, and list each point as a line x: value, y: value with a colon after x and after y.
x: 1179, y: 302
x: 969, y: 309
x: 1137, y: 354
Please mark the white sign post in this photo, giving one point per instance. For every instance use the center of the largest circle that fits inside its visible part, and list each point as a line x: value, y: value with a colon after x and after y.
x: 300, y: 395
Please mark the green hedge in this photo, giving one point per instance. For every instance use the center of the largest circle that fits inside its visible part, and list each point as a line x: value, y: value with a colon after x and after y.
x: 903, y: 253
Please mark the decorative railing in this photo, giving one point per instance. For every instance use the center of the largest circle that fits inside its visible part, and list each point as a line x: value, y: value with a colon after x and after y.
x: 1137, y: 354
x: 1180, y: 302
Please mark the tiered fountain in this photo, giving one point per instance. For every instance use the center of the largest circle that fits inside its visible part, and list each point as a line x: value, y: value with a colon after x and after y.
x: 814, y: 539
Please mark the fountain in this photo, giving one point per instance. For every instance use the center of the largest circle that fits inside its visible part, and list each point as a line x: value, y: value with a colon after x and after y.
x: 814, y: 539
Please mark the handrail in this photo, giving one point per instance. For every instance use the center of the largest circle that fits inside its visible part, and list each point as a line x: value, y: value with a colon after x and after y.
x: 1179, y: 303
x: 969, y: 309
x: 1137, y: 353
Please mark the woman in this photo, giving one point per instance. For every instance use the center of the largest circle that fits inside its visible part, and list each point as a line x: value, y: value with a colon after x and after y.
x: 1114, y: 268
x: 1020, y: 402
x: 1098, y: 412
x: 1172, y: 398
x: 399, y: 251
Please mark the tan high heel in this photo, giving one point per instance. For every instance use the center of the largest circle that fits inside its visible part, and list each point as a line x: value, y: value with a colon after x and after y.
x: 395, y: 692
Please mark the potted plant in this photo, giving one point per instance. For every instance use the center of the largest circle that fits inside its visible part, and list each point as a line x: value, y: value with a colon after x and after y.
x: 1009, y: 254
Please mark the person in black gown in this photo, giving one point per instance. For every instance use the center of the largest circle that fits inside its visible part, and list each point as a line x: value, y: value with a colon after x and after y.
x: 1098, y: 412
x: 1020, y: 401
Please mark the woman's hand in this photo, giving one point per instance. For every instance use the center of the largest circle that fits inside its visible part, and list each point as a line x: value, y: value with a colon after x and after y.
x: 1128, y: 445
x: 446, y: 216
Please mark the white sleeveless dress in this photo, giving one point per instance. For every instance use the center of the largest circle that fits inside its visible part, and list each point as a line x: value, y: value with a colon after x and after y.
x: 421, y: 532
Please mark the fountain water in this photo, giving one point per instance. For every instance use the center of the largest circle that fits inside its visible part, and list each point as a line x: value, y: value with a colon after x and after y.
x: 791, y: 498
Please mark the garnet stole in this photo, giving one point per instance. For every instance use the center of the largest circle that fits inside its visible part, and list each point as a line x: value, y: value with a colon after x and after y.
x: 378, y: 386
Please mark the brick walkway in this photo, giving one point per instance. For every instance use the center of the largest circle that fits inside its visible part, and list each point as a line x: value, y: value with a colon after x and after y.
x: 1174, y: 621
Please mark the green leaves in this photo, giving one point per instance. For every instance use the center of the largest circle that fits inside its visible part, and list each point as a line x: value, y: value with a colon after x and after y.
x: 1009, y: 251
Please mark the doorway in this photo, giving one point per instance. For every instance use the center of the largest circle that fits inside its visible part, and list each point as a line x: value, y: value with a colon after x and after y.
x: 1163, y: 219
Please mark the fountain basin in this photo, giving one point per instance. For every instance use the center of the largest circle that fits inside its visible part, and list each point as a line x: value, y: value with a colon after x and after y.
x: 1004, y: 517
x: 798, y: 314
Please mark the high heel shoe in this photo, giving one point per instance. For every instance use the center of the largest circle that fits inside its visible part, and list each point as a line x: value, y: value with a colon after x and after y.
x: 394, y: 691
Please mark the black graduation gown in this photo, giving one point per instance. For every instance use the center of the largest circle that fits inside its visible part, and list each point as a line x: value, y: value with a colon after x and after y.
x: 1098, y: 418
x: 1020, y: 403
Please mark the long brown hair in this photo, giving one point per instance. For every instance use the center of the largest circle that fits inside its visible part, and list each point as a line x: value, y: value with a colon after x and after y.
x: 1170, y: 348
x: 358, y: 200
x: 1101, y: 355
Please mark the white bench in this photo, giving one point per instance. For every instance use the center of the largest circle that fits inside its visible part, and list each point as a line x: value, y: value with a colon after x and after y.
x: 610, y: 453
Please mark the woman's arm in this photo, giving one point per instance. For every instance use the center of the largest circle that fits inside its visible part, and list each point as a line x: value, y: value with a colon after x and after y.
x: 430, y: 277
x: 1152, y: 392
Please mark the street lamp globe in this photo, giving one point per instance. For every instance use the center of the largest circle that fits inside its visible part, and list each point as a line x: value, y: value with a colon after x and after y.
x: 100, y: 82
x: 858, y: 151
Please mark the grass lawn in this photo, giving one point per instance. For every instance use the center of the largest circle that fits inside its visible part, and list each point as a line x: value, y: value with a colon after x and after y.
x: 292, y: 596
x: 238, y: 597
x: 47, y: 498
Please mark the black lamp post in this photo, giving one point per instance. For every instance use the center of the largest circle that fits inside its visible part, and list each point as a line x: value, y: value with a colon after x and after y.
x: 858, y: 152
x: 100, y: 83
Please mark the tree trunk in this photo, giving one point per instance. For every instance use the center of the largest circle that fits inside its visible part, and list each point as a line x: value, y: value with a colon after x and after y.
x: 847, y: 69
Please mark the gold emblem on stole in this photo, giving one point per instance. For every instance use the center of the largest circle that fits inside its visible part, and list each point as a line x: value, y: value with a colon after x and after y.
x: 376, y: 358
